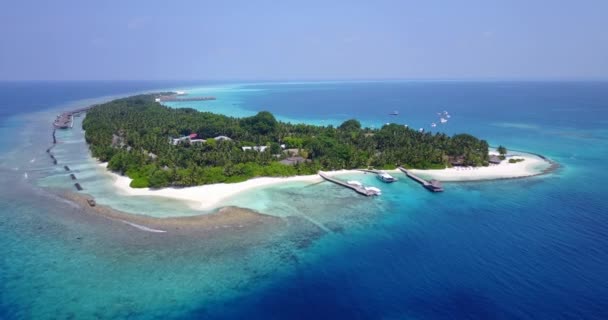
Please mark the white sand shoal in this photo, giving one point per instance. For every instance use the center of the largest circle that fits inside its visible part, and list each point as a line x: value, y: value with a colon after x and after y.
x: 532, y: 165
x: 210, y: 196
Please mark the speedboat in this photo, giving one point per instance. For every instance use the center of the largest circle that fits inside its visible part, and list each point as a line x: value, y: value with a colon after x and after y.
x: 385, y: 177
x: 354, y: 183
x: 443, y: 120
x: 373, y: 191
x: 433, y: 124
x: 394, y: 113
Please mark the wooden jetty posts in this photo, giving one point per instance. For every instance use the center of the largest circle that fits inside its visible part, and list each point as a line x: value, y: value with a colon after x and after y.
x: 431, y: 185
x: 359, y: 189
x: 78, y: 186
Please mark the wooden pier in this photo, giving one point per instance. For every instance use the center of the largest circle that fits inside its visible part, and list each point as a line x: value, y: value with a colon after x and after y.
x: 360, y: 190
x: 432, y: 185
x: 66, y: 119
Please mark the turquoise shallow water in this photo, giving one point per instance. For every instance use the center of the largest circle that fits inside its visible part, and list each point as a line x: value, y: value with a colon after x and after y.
x: 531, y: 248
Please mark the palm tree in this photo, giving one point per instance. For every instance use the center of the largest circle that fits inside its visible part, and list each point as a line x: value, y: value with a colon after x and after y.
x: 502, y: 151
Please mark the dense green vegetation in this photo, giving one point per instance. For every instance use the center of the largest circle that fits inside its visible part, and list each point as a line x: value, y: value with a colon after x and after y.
x: 502, y: 151
x: 514, y: 160
x: 133, y: 135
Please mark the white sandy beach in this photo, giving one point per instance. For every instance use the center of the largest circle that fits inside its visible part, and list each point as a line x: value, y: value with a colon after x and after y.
x: 208, y: 197
x: 532, y: 165
x: 211, y: 196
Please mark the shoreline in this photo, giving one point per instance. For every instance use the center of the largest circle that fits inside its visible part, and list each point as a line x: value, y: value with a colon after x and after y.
x: 532, y: 166
x: 207, y: 198
x: 212, y: 196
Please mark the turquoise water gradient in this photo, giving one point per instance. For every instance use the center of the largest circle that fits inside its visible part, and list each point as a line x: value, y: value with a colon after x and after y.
x: 533, y: 248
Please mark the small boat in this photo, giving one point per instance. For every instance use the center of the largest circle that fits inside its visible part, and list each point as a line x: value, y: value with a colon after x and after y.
x: 421, y: 130
x: 180, y: 92
x: 373, y: 191
x: 354, y: 183
x: 385, y: 177
x: 443, y: 120
x: 433, y: 124
x: 394, y: 113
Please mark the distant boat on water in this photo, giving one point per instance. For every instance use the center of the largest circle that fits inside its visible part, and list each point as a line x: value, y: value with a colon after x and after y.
x: 433, y: 124
x: 443, y: 120
x: 394, y: 113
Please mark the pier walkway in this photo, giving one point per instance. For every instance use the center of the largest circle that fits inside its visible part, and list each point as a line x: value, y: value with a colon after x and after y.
x: 432, y: 185
x: 66, y: 119
x: 358, y: 189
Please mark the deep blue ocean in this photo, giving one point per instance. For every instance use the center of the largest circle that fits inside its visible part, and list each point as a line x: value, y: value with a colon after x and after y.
x: 533, y: 248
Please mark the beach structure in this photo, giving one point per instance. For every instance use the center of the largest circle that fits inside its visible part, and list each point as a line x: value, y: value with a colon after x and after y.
x: 222, y: 138
x: 293, y: 161
x: 191, y: 137
x: 255, y: 148
x: 66, y: 119
x: 431, y: 185
x: 494, y: 159
x: 176, y: 141
x: 78, y: 186
x: 91, y: 202
x: 357, y: 187
x: 457, y: 161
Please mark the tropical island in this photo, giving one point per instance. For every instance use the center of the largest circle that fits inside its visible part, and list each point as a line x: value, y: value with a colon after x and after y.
x: 157, y: 146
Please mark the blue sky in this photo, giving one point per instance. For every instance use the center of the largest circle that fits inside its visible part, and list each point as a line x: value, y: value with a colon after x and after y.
x: 295, y: 40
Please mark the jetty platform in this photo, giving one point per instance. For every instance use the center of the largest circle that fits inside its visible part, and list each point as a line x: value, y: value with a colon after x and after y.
x: 358, y: 189
x: 431, y: 185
